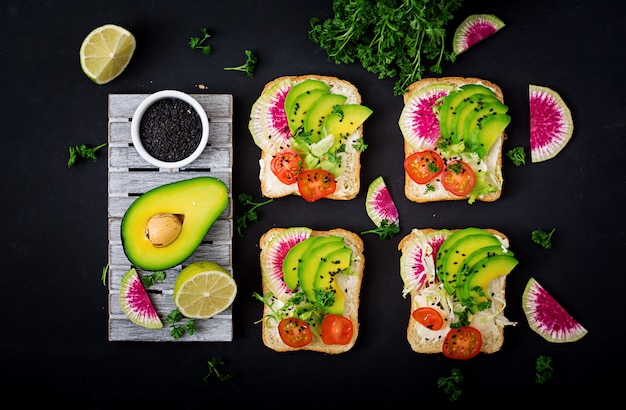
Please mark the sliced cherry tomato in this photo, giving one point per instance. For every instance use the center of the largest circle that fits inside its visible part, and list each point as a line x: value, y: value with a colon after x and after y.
x: 462, y: 343
x: 458, y: 178
x: 295, y: 332
x: 428, y: 317
x: 314, y: 184
x: 423, y: 166
x: 337, y: 330
x: 286, y: 165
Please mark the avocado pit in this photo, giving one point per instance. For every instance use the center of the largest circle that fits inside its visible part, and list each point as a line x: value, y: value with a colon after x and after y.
x: 163, y: 229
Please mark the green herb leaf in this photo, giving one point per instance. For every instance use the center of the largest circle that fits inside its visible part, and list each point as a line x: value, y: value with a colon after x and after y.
x: 152, y: 278
x: 248, y: 66
x: 517, y: 155
x: 389, y: 38
x: 543, y: 369
x: 199, y: 43
x: 214, y: 370
x: 450, y: 384
x: 543, y: 238
x: 250, y: 215
x: 177, y: 330
x: 105, y: 270
x: 82, y: 151
x: 386, y: 230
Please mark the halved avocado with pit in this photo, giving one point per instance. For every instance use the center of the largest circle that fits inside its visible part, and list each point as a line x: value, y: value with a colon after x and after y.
x: 165, y: 225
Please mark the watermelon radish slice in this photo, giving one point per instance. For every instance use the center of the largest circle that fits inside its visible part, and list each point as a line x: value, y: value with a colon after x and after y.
x: 136, y: 303
x: 417, y: 263
x: 379, y: 204
x: 418, y: 121
x: 273, y: 256
x: 551, y: 124
x: 268, y: 121
x: 473, y: 30
x: 547, y: 317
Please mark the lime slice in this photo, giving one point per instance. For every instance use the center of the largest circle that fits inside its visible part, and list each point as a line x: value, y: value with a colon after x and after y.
x: 106, y: 52
x: 204, y: 289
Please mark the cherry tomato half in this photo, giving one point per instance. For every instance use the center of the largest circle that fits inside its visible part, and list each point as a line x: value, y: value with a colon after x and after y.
x: 462, y: 343
x: 295, y: 332
x: 286, y: 165
x: 337, y: 330
x: 314, y: 184
x: 458, y: 178
x: 423, y: 166
x: 428, y: 317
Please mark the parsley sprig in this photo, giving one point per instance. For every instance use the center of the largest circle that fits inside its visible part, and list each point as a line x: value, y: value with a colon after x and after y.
x: 543, y: 238
x: 517, y: 155
x: 152, y: 278
x: 248, y: 66
x: 250, y: 215
x: 214, y: 370
x: 450, y: 384
x: 386, y: 230
x: 178, y: 330
x: 543, y: 369
x: 390, y: 38
x: 199, y: 42
x: 82, y: 151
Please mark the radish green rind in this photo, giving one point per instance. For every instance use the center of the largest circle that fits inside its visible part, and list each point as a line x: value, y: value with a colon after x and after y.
x: 135, y: 302
x: 379, y: 204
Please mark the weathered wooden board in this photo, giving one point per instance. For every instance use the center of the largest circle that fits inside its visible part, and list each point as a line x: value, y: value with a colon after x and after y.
x: 129, y: 177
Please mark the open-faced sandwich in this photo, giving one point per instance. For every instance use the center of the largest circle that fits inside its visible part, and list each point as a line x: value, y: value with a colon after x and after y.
x: 311, y: 289
x: 310, y: 131
x: 453, y: 130
x: 456, y: 280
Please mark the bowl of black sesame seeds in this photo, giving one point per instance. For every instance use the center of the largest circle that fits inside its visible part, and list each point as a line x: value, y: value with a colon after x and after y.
x: 170, y: 129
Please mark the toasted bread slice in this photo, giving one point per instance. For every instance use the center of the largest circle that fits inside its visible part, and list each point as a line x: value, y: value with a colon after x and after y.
x: 350, y: 283
x: 349, y: 182
x: 490, y: 322
x: 491, y: 164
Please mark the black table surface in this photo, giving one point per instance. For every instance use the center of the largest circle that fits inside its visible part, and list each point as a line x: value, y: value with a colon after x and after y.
x: 54, y: 343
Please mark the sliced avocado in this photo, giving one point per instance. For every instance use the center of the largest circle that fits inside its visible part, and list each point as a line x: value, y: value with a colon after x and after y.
x: 333, y: 264
x: 298, y: 111
x: 292, y: 260
x: 301, y: 87
x: 484, y: 272
x: 457, y: 253
x: 165, y: 225
x: 468, y: 110
x: 485, y: 133
x: 315, y: 116
x: 344, y: 123
x: 472, y: 260
x: 450, y: 103
x: 311, y: 260
x: 450, y: 240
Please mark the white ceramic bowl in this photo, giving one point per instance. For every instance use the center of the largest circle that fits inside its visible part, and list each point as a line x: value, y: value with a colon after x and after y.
x: 136, y: 122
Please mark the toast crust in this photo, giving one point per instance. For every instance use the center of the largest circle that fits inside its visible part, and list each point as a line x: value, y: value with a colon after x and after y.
x: 351, y: 284
x: 349, y: 182
x: 417, y: 192
x: 492, y: 335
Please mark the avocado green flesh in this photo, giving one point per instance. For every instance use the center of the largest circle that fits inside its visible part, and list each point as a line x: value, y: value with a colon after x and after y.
x: 298, y: 111
x: 302, y: 87
x: 457, y: 254
x: 293, y: 259
x: 451, y: 103
x: 197, y: 201
x: 447, y: 244
x: 311, y: 260
x: 470, y: 110
x: 472, y: 260
x: 342, y: 126
x: 485, y: 133
x: 315, y: 116
x: 484, y: 272
x: 333, y: 264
